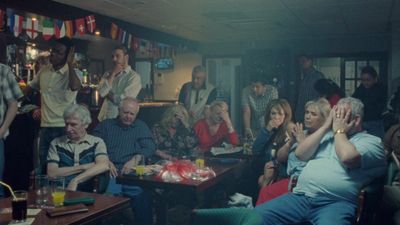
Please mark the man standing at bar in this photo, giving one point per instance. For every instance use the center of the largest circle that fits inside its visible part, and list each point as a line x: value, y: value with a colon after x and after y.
x: 9, y: 93
x: 58, y: 84
x: 121, y: 82
x: 306, y: 90
x: 127, y: 140
x: 197, y: 95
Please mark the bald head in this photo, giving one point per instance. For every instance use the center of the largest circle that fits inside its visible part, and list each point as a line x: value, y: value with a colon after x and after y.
x: 128, y: 110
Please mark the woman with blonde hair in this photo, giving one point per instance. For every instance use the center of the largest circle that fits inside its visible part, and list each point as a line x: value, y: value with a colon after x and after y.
x: 172, y: 135
x: 315, y: 115
x: 216, y: 128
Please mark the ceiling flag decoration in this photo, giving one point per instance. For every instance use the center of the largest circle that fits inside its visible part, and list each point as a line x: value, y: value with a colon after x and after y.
x: 10, y: 21
x: 2, y: 22
x: 91, y: 23
x: 114, y: 31
x: 59, y: 28
x: 47, y: 29
x: 17, y: 26
x: 80, y: 26
x: 136, y: 44
x: 120, y: 35
x: 129, y: 42
x: 124, y: 37
x: 69, y: 29
x: 32, y: 28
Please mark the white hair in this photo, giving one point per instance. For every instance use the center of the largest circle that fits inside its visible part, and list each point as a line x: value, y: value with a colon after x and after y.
x: 357, y: 107
x: 129, y: 100
x: 79, y: 111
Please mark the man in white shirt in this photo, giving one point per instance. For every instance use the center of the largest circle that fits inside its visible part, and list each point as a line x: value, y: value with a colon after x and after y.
x: 58, y: 84
x: 121, y: 82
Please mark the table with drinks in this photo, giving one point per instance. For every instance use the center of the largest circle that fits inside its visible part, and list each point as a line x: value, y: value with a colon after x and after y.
x: 47, y: 202
x: 195, y: 189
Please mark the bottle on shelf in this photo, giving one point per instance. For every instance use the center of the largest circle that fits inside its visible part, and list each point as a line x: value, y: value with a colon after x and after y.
x: 85, y: 77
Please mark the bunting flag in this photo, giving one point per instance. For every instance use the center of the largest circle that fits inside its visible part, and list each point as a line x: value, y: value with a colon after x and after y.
x: 91, y: 23
x: 124, y: 37
x: 2, y: 22
x: 144, y: 46
x: 120, y: 35
x: 10, y: 21
x: 69, y: 29
x: 129, y: 42
x: 80, y: 26
x: 136, y: 44
x: 17, y: 25
x: 59, y: 28
x: 47, y: 29
x: 32, y: 28
x: 114, y: 31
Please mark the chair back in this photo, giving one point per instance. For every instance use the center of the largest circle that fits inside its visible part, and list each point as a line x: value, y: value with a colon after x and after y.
x: 226, y: 216
x: 369, y: 200
x: 97, y: 184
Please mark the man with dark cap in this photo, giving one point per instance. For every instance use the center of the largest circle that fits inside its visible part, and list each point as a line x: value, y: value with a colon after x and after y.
x: 58, y: 84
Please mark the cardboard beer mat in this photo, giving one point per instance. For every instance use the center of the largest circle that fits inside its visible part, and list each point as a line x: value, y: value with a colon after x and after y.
x: 28, y: 221
x: 33, y: 212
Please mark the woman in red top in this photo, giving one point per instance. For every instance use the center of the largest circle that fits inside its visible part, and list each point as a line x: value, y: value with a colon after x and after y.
x: 216, y: 128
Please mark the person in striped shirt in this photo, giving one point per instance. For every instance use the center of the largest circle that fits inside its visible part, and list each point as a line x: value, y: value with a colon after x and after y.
x: 128, y: 140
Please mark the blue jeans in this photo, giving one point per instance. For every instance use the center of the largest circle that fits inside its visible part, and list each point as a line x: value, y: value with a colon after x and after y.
x: 294, y: 208
x: 47, y: 134
x: 140, y: 201
x: 2, y: 161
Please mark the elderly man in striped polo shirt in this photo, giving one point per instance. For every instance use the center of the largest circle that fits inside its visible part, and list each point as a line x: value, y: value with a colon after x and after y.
x: 127, y: 139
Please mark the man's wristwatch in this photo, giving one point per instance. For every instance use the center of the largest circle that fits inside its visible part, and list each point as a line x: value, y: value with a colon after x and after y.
x: 339, y: 131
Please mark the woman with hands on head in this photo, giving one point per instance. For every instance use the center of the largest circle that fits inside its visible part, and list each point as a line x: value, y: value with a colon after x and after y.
x: 172, y: 135
x: 317, y: 112
x: 215, y: 129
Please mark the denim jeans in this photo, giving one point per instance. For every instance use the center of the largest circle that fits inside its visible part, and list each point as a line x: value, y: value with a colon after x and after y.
x: 47, y: 134
x: 2, y: 161
x: 140, y: 201
x: 294, y: 208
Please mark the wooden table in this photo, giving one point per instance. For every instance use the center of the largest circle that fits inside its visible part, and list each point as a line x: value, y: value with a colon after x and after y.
x: 195, y: 192
x: 104, y: 206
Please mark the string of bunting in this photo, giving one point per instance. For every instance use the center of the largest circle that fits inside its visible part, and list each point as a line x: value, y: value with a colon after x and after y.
x: 141, y: 46
x: 49, y: 27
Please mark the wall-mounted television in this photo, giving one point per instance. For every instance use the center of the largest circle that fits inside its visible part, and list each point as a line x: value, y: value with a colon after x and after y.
x: 164, y: 64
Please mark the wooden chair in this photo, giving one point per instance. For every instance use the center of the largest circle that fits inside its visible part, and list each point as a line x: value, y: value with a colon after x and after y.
x: 97, y: 184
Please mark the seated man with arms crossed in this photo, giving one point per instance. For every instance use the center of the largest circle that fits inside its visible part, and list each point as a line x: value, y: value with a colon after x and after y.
x: 341, y: 160
x: 77, y: 155
x: 127, y: 140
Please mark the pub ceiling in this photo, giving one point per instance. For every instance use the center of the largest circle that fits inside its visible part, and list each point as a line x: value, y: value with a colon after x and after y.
x: 219, y: 21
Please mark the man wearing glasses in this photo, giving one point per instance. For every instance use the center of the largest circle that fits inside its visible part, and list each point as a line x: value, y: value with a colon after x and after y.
x: 58, y: 84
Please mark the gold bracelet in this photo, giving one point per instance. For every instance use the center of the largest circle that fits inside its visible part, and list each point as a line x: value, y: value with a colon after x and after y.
x: 339, y: 131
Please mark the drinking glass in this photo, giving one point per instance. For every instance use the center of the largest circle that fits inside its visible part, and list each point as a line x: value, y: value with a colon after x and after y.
x: 41, y: 188
x: 19, y: 206
x: 199, y: 160
x: 57, y: 186
x: 141, y: 165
